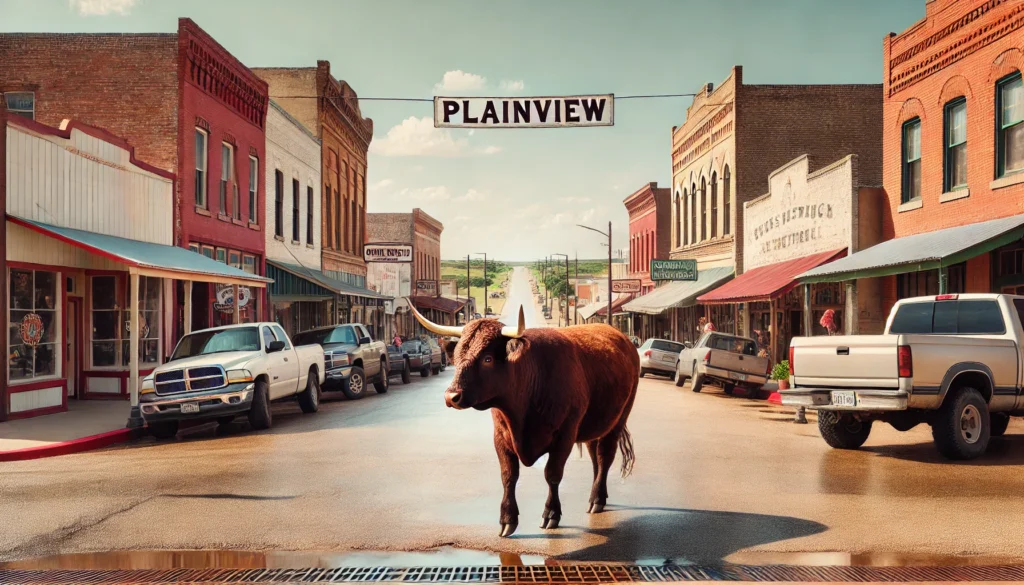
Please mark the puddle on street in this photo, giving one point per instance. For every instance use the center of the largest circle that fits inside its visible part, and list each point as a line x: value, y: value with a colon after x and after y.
x: 451, y: 557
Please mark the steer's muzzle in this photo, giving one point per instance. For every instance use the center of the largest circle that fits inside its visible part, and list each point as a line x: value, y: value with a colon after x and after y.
x: 453, y: 399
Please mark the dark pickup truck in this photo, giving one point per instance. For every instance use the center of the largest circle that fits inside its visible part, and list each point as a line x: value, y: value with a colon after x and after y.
x: 352, y: 358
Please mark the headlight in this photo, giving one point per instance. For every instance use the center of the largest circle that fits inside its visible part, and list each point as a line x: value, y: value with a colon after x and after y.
x: 339, y: 359
x: 147, y: 385
x: 239, y: 376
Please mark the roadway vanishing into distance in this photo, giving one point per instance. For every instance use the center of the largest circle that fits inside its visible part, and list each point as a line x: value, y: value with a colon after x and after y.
x: 716, y: 478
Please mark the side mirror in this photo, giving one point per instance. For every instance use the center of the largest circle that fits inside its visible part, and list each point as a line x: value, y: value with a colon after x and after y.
x: 275, y: 346
x: 688, y: 345
x: 364, y: 340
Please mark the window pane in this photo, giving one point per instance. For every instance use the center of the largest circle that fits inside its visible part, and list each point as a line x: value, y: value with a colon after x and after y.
x: 912, y: 141
x: 104, y: 292
x: 222, y: 255
x: 45, y: 359
x: 980, y: 317
x: 104, y: 325
x: 20, y: 362
x: 1019, y: 305
x: 20, y: 101
x: 957, y: 124
x: 913, y: 180
x: 104, y: 353
x: 150, y: 325
x: 957, y: 165
x: 944, y: 320
x: 200, y: 151
x: 21, y: 289
x: 913, y: 318
x: 1012, y: 100
x: 49, y: 319
x: 1013, y: 148
x: 225, y: 162
x: 268, y: 337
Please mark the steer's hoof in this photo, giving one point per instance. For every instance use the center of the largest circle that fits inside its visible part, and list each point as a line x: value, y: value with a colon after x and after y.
x: 508, y: 529
x: 550, y: 523
x: 596, y: 508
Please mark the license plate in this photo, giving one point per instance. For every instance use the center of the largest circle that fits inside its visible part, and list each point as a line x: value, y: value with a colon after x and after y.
x: 844, y: 399
x: 741, y: 377
x: 189, y: 407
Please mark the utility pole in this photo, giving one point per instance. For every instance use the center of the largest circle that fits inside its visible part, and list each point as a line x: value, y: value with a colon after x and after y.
x: 566, y: 290
x: 484, y: 254
x: 576, y: 292
x: 469, y: 287
x: 609, y: 236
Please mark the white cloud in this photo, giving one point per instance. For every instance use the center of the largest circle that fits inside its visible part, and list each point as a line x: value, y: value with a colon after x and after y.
x: 381, y: 184
x: 574, y: 199
x: 461, y: 218
x: 435, y: 193
x: 102, y: 7
x: 587, y: 215
x: 510, y: 85
x: 471, y: 195
x: 528, y: 211
x: 418, y: 137
x: 459, y: 80
x: 417, y: 168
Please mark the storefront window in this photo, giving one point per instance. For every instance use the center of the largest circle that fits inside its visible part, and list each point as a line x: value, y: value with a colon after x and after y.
x: 34, y: 322
x: 111, y: 330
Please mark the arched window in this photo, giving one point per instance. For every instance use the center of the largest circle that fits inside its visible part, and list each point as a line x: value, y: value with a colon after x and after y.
x: 686, y: 214
x: 679, y: 234
x: 714, y: 205
x: 727, y: 195
x: 703, y: 209
x: 693, y: 213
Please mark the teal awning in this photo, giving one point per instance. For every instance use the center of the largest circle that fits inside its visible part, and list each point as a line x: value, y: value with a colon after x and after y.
x: 292, y: 279
x: 679, y: 293
x: 147, y: 258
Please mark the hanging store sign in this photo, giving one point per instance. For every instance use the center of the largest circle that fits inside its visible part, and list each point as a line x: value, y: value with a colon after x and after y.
x: 32, y: 329
x: 673, y: 270
x: 524, y: 112
x: 225, y: 302
x: 426, y: 288
x: 387, y: 253
x: 629, y: 285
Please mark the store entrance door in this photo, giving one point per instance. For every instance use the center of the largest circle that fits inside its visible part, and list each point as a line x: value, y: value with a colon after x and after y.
x: 73, y: 348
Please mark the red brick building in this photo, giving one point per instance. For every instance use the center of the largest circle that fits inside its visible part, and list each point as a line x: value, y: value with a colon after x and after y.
x: 188, y: 106
x: 953, y: 152
x: 650, y: 238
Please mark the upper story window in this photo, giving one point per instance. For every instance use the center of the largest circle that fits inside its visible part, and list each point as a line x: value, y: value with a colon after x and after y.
x: 1010, y: 125
x: 955, y: 159
x: 679, y: 212
x: 714, y: 205
x: 911, y: 160
x: 693, y: 213
x: 21, y: 103
x: 201, y: 160
x: 309, y: 215
x: 278, y: 203
x: 727, y: 197
x: 295, y: 210
x: 703, y: 210
x: 227, y: 177
x: 254, y: 174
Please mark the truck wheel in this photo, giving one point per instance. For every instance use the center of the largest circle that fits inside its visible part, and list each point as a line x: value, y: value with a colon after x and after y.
x: 163, y: 430
x: 381, y: 385
x: 354, y: 386
x: 680, y: 378
x: 999, y: 423
x: 259, y: 413
x: 696, y: 380
x: 444, y: 363
x: 643, y: 372
x: 962, y: 428
x: 425, y: 372
x: 309, y: 399
x: 728, y: 388
x: 843, y: 431
x: 406, y: 373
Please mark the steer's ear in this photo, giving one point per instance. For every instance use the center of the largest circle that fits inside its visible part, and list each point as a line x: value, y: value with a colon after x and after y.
x: 516, y: 348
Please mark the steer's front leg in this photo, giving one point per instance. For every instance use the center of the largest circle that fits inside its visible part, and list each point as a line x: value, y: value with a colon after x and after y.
x: 509, y: 476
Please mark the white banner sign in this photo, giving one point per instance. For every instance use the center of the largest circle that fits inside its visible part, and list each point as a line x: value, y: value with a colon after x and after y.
x: 524, y: 112
x: 390, y: 280
x: 387, y: 253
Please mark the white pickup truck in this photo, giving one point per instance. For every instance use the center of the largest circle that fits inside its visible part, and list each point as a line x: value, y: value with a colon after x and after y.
x: 226, y: 371
x: 951, y: 361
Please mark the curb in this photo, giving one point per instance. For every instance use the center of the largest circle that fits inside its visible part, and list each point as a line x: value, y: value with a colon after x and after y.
x: 68, y: 447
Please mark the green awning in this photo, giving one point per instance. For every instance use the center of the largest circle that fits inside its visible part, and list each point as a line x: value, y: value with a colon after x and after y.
x: 299, y: 280
x: 147, y: 258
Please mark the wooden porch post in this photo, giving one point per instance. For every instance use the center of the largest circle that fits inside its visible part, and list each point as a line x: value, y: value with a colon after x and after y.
x: 188, y: 307
x: 238, y: 305
x: 135, y: 420
x: 808, y: 316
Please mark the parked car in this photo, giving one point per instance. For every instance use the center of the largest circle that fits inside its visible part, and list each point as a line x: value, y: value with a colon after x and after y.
x: 222, y: 372
x: 729, y: 360
x: 951, y: 361
x: 352, y: 358
x: 659, y: 356
x: 423, y: 357
x: 399, y: 364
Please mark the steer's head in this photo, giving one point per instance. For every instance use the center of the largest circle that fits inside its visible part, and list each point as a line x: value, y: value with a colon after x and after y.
x: 482, y: 357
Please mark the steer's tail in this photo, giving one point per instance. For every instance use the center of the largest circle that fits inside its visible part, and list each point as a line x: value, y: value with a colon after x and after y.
x: 626, y: 449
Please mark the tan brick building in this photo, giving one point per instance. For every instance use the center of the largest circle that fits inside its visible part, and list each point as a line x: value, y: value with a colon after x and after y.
x: 734, y: 136
x: 330, y: 109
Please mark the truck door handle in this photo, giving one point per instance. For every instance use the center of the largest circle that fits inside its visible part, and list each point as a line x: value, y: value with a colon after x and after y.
x: 842, y: 351
x: 285, y: 359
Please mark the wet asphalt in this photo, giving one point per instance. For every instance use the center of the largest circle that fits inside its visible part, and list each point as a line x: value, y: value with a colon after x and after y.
x: 716, y: 478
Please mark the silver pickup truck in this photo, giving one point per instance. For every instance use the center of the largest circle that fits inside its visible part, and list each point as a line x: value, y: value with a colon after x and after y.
x: 951, y: 361
x: 729, y: 360
x: 352, y: 358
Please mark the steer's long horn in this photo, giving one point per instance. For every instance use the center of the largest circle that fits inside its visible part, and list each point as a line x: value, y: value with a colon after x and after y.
x: 446, y: 330
x: 517, y: 331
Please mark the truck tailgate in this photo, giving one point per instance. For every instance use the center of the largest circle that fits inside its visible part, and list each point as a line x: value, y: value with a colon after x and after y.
x: 846, y: 361
x: 737, y: 362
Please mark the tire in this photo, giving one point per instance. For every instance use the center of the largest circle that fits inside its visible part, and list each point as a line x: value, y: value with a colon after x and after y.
x: 729, y: 388
x: 680, y: 378
x: 309, y: 399
x: 425, y: 372
x: 354, y: 386
x: 962, y: 427
x: 696, y: 380
x: 163, y: 430
x: 383, y: 383
x: 259, y: 415
x: 406, y: 373
x: 225, y: 420
x: 444, y: 363
x: 643, y: 372
x: 435, y: 370
x: 843, y: 432
x: 999, y: 423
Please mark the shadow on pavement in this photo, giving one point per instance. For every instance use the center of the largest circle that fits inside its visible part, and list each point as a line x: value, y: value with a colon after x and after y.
x: 1005, y: 450
x: 692, y: 535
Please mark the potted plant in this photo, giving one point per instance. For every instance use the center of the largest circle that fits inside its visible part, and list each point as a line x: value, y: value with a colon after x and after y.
x: 780, y: 373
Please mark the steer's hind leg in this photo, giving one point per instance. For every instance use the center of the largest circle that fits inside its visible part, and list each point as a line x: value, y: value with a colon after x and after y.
x: 595, y: 460
x: 509, y: 476
x: 606, y: 446
x: 553, y: 474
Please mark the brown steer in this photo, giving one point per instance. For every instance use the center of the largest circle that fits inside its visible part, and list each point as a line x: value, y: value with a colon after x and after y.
x: 547, y: 390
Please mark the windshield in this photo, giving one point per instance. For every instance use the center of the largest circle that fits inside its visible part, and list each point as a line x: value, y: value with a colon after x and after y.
x: 218, y: 341
x: 325, y: 336
x: 669, y: 346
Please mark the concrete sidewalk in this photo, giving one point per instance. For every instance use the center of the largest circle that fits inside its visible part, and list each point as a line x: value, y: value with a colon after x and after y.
x: 88, y: 424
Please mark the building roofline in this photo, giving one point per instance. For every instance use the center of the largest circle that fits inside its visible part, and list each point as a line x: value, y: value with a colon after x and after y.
x: 295, y: 122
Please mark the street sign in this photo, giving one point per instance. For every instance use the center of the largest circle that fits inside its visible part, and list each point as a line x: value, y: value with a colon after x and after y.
x: 673, y: 270
x: 426, y: 288
x: 629, y: 285
x: 524, y: 112
x: 387, y: 253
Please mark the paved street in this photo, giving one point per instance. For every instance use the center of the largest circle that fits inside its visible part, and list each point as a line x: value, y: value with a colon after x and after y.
x: 399, y: 472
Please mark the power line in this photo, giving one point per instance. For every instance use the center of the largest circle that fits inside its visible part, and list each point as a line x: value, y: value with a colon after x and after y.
x: 405, y: 99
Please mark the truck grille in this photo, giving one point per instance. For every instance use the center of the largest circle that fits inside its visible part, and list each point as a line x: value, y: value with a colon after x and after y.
x: 190, y: 379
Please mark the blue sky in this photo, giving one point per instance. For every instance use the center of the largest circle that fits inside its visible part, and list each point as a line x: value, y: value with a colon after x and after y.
x: 517, y: 194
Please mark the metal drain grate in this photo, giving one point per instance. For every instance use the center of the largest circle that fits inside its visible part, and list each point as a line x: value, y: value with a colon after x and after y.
x: 561, y: 574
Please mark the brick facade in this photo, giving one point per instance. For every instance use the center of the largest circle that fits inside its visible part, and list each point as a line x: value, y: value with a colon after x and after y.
x: 155, y: 90
x: 426, y: 246
x: 330, y: 108
x: 649, y: 231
